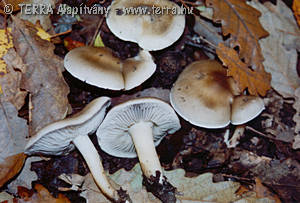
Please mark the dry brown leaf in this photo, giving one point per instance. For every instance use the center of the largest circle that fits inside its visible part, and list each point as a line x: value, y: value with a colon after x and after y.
x: 296, y: 8
x: 257, y: 81
x: 10, y: 167
x: 11, y: 81
x: 43, y: 78
x: 241, y: 21
x: 279, y: 48
x: 41, y: 195
x: 262, y: 191
x: 296, y: 118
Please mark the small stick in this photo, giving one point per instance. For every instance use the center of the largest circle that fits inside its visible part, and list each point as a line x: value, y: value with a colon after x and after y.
x: 97, y: 30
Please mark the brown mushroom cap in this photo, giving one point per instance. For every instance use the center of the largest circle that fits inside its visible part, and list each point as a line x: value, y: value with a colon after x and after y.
x: 98, y: 67
x: 202, y: 94
x: 152, y: 31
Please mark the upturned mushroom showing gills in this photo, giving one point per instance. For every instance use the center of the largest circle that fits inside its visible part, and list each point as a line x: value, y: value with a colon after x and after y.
x: 135, y: 128
x: 63, y: 136
x: 99, y: 67
x: 206, y: 97
x: 153, y: 24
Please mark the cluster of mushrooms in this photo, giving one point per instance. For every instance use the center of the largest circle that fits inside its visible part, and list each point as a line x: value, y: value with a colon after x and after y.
x: 203, y: 95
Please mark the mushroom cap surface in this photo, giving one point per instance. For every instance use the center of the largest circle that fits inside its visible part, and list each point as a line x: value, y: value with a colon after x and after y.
x: 56, y: 138
x: 95, y: 66
x: 202, y: 94
x: 113, y: 135
x: 245, y: 108
x: 99, y: 67
x: 138, y: 69
x: 151, y: 30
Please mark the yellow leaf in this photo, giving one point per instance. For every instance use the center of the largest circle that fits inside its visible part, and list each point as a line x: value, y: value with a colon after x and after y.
x: 98, y: 41
x: 5, y: 44
x: 43, y: 34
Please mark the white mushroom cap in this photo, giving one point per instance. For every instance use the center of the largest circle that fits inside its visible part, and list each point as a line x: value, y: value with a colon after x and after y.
x: 113, y: 135
x: 138, y: 69
x: 202, y: 94
x: 98, y: 67
x: 95, y: 66
x: 246, y: 108
x: 56, y: 138
x: 151, y: 31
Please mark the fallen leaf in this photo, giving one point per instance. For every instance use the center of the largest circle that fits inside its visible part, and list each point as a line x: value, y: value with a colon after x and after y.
x: 241, y: 21
x: 279, y: 48
x: 5, y: 44
x: 72, y: 44
x: 43, y: 78
x: 41, y: 195
x: 10, y: 167
x: 296, y: 118
x: 5, y: 197
x: 202, y: 188
x: 257, y: 81
x: 281, y: 176
x: 43, y: 34
x: 277, y: 118
x: 296, y: 8
x: 262, y: 191
x: 25, y: 178
x: 131, y: 182
x: 11, y: 81
x: 98, y: 41
x: 13, y: 131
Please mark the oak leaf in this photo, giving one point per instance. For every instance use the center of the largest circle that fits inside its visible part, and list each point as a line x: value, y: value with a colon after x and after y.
x: 43, y: 77
x: 257, y: 81
x: 241, y: 21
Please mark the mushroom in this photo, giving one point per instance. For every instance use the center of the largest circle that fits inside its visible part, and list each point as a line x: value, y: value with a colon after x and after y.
x: 206, y: 97
x: 98, y: 67
x: 135, y: 128
x: 62, y: 136
x: 246, y: 108
x: 153, y: 24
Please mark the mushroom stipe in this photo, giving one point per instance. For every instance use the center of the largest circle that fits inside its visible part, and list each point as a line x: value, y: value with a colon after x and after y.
x: 62, y: 136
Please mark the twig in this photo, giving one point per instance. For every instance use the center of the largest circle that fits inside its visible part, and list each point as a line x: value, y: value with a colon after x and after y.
x: 259, y: 133
x: 62, y: 33
x: 97, y: 30
x: 239, y: 178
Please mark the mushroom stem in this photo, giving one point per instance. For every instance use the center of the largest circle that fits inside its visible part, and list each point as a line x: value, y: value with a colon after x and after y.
x: 92, y: 158
x: 145, y: 148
